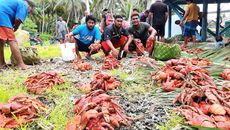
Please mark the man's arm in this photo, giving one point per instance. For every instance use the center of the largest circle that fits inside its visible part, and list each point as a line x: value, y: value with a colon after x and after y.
x: 110, y: 44
x: 150, y: 18
x: 97, y: 35
x: 185, y: 15
x: 129, y: 41
x: 98, y: 42
x: 17, y: 23
x: 153, y: 33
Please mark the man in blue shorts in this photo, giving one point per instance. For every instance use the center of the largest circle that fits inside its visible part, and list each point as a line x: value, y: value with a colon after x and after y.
x: 12, y: 14
x: 191, y: 17
x: 88, y: 34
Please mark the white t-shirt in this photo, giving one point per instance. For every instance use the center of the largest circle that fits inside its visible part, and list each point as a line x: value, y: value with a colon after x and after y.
x: 61, y: 26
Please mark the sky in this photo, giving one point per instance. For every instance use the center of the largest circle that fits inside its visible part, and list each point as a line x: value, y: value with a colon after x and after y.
x: 213, y: 8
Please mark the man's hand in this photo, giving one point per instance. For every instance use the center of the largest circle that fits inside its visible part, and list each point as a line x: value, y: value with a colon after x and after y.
x: 181, y: 22
x: 115, y: 53
x: 15, y: 29
x: 17, y: 23
x: 126, y: 48
x: 68, y: 36
x: 151, y: 38
x: 136, y: 40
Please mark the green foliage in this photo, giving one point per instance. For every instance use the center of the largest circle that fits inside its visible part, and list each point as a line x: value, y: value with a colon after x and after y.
x: 44, y: 52
x: 45, y: 36
x: 174, y: 121
x: 29, y: 25
x: 58, y: 115
x: 60, y: 10
x: 47, y: 52
x: 11, y: 85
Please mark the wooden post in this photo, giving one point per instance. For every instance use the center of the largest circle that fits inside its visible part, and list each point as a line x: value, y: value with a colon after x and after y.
x: 204, y: 20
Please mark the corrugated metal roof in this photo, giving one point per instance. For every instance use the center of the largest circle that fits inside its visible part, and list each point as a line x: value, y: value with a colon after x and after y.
x: 197, y: 1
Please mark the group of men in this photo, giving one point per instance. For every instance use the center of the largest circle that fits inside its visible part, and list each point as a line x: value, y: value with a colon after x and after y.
x: 111, y: 36
x: 114, y: 36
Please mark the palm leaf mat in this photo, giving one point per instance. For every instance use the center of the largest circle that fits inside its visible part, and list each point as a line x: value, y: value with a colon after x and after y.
x: 218, y: 57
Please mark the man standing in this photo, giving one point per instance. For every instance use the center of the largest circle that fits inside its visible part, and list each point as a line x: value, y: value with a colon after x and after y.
x: 12, y: 14
x: 114, y: 37
x: 142, y: 32
x: 61, y: 29
x: 88, y: 34
x: 158, y: 17
x: 191, y: 17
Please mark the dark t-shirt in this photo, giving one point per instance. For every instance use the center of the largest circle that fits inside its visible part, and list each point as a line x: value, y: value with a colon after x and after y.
x: 112, y: 33
x: 158, y: 9
x: 142, y: 17
x: 141, y: 33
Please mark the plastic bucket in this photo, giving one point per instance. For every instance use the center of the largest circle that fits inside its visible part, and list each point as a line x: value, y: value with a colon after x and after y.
x: 67, y: 51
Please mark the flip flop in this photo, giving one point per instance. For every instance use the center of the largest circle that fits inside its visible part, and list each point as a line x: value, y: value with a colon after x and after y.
x: 27, y: 67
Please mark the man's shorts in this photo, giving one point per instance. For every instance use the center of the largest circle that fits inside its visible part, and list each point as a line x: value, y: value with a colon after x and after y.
x: 116, y: 44
x: 190, y: 28
x: 160, y: 29
x: 61, y: 35
x: 81, y: 46
x: 7, y: 34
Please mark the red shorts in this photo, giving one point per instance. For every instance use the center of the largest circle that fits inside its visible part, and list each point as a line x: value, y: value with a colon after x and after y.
x: 6, y: 34
x: 120, y: 43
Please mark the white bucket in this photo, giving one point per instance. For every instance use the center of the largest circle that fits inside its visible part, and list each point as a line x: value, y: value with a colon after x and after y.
x: 68, y: 51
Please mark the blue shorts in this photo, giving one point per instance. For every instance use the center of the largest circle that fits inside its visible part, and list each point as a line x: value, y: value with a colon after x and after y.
x: 61, y: 35
x: 82, y: 47
x: 190, y: 28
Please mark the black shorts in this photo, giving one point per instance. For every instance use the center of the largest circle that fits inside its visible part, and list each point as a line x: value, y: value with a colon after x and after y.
x: 160, y: 29
x: 82, y: 47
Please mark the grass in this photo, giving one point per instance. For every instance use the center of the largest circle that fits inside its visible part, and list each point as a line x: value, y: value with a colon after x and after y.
x: 11, y: 85
x: 60, y: 98
x: 58, y: 115
x: 173, y: 122
x: 134, y: 82
x: 45, y: 52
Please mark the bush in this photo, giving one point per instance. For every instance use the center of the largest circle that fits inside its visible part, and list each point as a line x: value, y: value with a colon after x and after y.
x: 29, y: 25
x: 46, y: 37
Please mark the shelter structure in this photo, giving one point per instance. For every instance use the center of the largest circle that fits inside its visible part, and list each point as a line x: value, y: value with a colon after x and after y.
x: 174, y: 5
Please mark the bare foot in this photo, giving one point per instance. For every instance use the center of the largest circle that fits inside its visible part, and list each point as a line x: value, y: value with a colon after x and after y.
x: 183, y: 47
x: 23, y: 67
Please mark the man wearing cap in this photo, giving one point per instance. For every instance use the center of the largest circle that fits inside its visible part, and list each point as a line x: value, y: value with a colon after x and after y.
x: 12, y: 14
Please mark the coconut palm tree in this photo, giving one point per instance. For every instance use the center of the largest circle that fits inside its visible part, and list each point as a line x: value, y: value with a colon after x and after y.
x: 73, y: 8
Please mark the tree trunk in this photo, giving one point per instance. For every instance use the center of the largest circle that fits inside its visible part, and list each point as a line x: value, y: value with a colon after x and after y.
x: 130, y: 11
x: 68, y: 17
x: 43, y: 16
x: 87, y: 6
